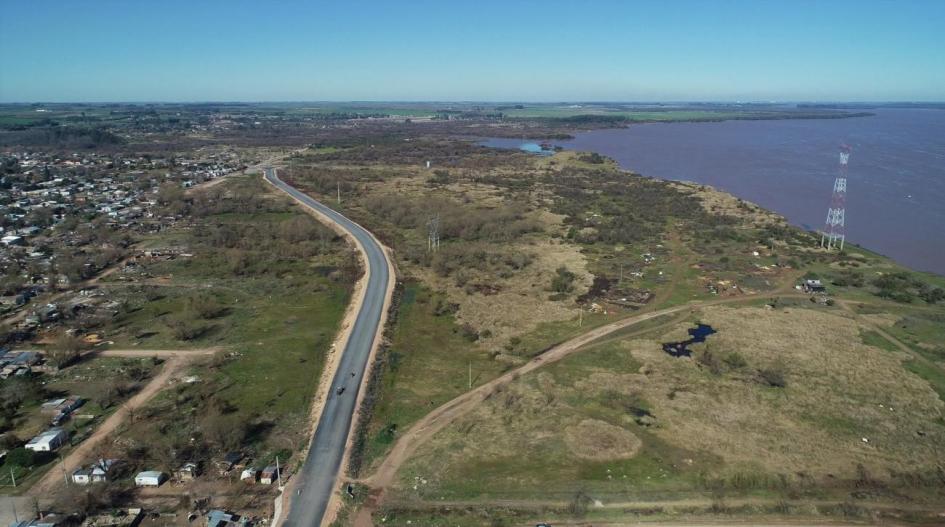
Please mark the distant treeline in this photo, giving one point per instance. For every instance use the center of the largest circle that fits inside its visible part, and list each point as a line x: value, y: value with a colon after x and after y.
x: 871, y: 106
x: 61, y: 136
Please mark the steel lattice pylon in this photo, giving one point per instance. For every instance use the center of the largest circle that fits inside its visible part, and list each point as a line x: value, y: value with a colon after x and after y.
x: 834, y: 233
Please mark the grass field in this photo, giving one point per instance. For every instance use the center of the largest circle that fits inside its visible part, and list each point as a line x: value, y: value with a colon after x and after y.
x: 429, y: 363
x: 699, y: 432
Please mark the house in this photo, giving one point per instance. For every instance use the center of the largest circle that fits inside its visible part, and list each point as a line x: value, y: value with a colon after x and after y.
x: 97, y: 472
x: 814, y: 286
x: 18, y: 363
x: 220, y: 518
x: 250, y: 475
x: 61, y: 408
x: 12, y: 240
x: 48, y: 521
x: 188, y: 472
x: 229, y: 461
x: 150, y: 478
x: 48, y: 441
x: 269, y: 475
x: 82, y: 476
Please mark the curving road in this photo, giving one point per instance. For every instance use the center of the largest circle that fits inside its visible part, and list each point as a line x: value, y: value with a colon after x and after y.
x: 316, y: 479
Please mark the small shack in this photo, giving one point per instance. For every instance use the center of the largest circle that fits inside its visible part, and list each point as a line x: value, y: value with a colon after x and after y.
x: 269, y: 475
x: 814, y: 286
x: 250, y: 475
x: 188, y: 472
x: 150, y: 478
x: 48, y: 441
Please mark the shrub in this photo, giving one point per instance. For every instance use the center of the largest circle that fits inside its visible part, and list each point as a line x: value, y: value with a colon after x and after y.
x: 932, y: 295
x: 734, y: 360
x: 563, y: 281
x: 773, y: 377
x: 186, y: 330
x: 710, y: 360
x: 207, y: 307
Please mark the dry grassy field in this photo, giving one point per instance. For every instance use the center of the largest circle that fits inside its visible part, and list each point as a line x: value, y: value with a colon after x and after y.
x: 624, y: 421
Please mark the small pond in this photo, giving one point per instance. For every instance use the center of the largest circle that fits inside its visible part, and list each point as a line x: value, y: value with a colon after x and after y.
x: 697, y: 334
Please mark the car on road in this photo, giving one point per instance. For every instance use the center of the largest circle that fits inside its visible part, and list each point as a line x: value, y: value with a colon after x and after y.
x: 340, y: 390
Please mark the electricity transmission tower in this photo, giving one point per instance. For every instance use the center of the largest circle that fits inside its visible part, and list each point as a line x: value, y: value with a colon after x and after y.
x: 834, y: 233
x: 433, y: 233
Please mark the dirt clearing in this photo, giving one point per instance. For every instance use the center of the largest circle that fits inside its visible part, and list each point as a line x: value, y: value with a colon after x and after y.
x: 593, y: 439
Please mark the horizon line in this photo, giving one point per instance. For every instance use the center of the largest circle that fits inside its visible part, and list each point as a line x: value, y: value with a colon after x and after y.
x: 474, y: 101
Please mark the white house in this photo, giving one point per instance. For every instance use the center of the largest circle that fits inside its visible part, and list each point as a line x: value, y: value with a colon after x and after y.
x: 249, y: 475
x: 48, y: 441
x: 82, y: 476
x: 150, y: 478
x: 95, y: 473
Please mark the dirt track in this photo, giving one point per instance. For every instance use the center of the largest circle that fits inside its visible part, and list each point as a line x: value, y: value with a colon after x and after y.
x: 175, y: 361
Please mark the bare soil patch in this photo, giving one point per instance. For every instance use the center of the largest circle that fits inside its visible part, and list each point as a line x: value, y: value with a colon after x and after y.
x: 597, y: 440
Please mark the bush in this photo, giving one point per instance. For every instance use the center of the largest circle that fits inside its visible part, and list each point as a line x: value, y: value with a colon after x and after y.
x: 734, y: 360
x: 593, y: 158
x: 563, y: 281
x: 773, y: 377
x: 849, y: 278
x: 186, y: 330
x: 932, y: 295
x: 710, y: 360
x: 468, y: 332
x: 207, y: 307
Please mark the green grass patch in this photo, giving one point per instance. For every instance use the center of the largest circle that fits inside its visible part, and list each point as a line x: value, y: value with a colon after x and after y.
x: 429, y: 363
x: 872, y: 338
x: 932, y: 374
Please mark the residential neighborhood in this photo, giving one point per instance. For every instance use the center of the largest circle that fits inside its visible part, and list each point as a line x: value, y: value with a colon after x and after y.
x: 65, y: 218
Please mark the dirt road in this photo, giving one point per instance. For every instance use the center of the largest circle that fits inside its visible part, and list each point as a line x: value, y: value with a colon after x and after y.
x: 175, y: 362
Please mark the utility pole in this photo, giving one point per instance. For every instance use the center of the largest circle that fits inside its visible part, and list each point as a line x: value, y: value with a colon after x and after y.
x: 339, y: 192
x: 580, y: 316
x: 470, y: 376
x: 433, y: 233
x: 62, y: 462
x: 278, y: 472
x: 13, y: 478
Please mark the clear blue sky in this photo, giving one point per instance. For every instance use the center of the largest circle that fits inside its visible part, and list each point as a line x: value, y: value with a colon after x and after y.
x: 197, y: 50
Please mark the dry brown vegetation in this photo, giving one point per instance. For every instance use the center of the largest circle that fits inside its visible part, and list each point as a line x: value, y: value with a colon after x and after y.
x: 496, y: 260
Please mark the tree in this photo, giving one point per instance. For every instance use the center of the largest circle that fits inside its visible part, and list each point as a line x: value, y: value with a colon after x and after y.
x: 170, y: 195
x: 21, y: 457
x: 563, y: 281
x: 65, y: 350
x: 207, y: 307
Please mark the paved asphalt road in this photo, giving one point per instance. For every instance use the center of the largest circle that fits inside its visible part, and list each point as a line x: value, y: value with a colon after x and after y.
x: 317, y: 476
